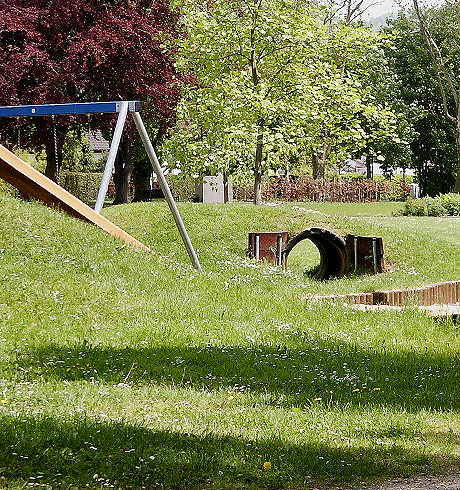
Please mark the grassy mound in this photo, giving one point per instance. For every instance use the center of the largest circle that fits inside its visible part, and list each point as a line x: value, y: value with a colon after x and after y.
x: 126, y: 369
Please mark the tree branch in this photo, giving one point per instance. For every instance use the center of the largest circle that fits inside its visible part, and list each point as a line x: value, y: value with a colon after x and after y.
x: 442, y: 73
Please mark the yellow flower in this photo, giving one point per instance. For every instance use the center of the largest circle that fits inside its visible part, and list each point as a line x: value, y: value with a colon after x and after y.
x: 317, y: 399
x: 267, y: 465
x: 355, y: 390
x: 376, y: 389
x: 3, y: 402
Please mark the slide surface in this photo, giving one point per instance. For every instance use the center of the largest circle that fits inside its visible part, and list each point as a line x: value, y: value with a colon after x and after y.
x: 34, y: 184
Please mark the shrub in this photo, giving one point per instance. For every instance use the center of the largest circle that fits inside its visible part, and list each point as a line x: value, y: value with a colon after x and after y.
x: 83, y: 185
x: 182, y: 187
x: 415, y: 207
x: 434, y: 207
x: 451, y: 202
x: 340, y: 190
x: 442, y: 205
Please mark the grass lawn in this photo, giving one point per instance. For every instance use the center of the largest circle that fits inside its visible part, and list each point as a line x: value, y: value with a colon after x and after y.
x: 124, y: 369
x: 382, y: 208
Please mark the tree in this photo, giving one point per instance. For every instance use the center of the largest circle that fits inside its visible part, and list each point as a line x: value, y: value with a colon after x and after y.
x: 433, y: 146
x: 347, y: 11
x: 85, y: 50
x: 440, y: 28
x: 250, y: 81
x: 273, y: 83
x: 354, y: 112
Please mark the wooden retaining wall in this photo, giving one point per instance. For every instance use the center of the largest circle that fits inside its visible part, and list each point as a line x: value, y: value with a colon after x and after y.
x: 433, y: 294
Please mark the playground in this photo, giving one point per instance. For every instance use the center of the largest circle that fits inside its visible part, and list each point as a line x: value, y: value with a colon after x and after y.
x: 229, y: 245
x: 127, y: 368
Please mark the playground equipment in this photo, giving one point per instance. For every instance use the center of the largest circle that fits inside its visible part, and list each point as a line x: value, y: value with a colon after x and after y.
x: 267, y: 246
x: 35, y: 184
x: 338, y: 255
x: 28, y: 180
x: 437, y: 300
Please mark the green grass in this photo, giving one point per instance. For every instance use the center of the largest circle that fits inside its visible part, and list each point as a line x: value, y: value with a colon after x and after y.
x: 126, y: 369
x: 382, y: 208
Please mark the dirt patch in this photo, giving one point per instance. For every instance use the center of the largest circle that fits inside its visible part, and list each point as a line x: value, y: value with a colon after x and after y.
x: 446, y: 482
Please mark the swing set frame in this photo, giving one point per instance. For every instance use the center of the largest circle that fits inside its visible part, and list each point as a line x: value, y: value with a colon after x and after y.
x: 122, y: 108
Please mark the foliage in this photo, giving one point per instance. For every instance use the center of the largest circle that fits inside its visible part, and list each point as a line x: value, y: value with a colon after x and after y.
x: 414, y: 207
x: 434, y: 153
x: 183, y: 187
x: 451, y: 203
x: 84, y: 185
x: 339, y: 190
x: 6, y: 189
x: 111, y: 50
x: 443, y: 47
x: 442, y: 205
x: 78, y: 155
x: 274, y: 85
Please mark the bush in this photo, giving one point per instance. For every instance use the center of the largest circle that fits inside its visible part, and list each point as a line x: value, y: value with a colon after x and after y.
x: 414, y: 207
x: 442, y: 205
x: 183, y: 188
x: 340, y: 190
x: 451, y: 202
x: 434, y: 207
x: 83, y: 185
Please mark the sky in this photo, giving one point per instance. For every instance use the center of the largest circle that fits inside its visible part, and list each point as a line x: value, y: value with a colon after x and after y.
x: 382, y: 8
x: 385, y: 6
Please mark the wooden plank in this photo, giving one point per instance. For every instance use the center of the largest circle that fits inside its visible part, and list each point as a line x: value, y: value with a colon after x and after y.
x: 436, y: 310
x: 34, y: 184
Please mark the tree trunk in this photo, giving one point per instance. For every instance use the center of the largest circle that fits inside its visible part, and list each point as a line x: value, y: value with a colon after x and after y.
x: 457, y: 136
x: 260, y: 134
x: 142, y: 174
x: 53, y: 160
x: 319, y: 162
x: 369, y: 167
x: 143, y: 170
x: 318, y: 166
x: 258, y: 168
x: 123, y: 170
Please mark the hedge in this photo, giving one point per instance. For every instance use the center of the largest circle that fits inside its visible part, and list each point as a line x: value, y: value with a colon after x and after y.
x: 442, y: 205
x: 343, y: 190
x: 83, y: 185
x: 183, y: 188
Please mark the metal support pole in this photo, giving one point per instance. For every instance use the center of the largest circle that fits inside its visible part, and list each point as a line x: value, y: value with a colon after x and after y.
x: 279, y: 240
x: 355, y: 250
x: 374, y: 254
x: 257, y: 247
x: 166, y: 190
x: 111, y: 157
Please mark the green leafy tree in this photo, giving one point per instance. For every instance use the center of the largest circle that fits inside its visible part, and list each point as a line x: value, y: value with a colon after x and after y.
x: 433, y: 146
x: 251, y: 83
x: 274, y: 83
x: 440, y: 28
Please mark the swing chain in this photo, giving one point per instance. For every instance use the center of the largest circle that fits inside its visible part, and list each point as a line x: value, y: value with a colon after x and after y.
x: 56, y: 159
x: 19, y: 132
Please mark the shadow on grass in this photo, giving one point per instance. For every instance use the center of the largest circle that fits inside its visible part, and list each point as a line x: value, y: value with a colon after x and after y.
x: 83, y: 452
x: 341, y: 373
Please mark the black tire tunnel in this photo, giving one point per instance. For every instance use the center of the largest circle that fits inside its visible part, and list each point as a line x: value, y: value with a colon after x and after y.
x: 332, y: 250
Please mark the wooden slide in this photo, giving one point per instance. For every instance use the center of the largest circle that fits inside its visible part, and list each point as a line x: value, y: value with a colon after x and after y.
x: 34, y: 184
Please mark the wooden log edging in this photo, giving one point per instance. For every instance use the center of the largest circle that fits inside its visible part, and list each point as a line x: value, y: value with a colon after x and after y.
x: 433, y: 294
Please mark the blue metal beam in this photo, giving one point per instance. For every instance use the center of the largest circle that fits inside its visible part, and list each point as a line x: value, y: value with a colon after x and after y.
x: 67, y: 109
